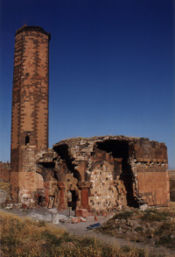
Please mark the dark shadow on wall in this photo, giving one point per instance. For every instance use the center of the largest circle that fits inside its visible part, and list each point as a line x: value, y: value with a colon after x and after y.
x: 62, y: 150
x: 120, y: 149
x: 74, y: 199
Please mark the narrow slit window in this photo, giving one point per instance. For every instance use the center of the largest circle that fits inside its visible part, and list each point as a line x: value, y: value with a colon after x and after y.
x: 27, y: 140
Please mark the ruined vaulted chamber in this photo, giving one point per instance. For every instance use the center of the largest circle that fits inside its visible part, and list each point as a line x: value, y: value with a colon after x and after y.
x: 105, y: 172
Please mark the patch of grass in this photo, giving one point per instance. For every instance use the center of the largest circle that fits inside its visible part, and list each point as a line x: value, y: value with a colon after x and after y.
x: 139, y: 229
x: 166, y: 240
x: 151, y: 215
x: 153, y: 226
x: 19, y: 237
x: 125, y: 248
x: 123, y: 215
x: 41, y: 223
x: 5, y: 186
x: 22, y: 237
x: 167, y: 226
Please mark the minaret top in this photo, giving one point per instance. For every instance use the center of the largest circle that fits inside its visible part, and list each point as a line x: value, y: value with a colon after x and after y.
x: 32, y: 28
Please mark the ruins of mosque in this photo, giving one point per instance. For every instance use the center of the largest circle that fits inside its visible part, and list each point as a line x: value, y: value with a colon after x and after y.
x: 86, y: 174
x: 103, y: 173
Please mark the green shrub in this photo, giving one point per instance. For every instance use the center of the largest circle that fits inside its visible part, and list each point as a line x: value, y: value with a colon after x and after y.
x: 151, y: 215
x: 125, y: 248
x: 139, y: 229
x: 167, y: 241
x: 123, y: 215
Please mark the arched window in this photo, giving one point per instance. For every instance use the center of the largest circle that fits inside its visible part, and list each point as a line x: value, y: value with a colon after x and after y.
x: 27, y: 140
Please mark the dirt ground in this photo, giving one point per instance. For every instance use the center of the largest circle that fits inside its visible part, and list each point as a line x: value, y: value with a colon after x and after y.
x: 80, y: 229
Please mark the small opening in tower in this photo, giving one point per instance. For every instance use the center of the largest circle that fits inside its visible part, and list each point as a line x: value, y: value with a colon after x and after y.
x: 27, y: 140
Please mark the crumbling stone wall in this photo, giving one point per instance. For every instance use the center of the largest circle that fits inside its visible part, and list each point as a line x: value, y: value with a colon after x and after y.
x: 172, y: 184
x: 5, y: 172
x: 4, y: 182
x: 150, y: 168
x: 103, y: 193
x: 108, y: 172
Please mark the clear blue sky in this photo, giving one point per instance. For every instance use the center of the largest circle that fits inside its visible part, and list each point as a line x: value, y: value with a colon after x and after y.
x: 111, y: 67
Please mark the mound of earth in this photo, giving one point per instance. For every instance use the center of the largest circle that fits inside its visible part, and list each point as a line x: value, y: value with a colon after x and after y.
x: 153, y: 226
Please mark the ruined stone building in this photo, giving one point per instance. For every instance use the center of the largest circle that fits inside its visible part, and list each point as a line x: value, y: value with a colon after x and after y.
x: 99, y: 173
x: 105, y: 172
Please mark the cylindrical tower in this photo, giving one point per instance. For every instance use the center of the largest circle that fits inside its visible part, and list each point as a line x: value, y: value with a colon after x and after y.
x: 29, y: 132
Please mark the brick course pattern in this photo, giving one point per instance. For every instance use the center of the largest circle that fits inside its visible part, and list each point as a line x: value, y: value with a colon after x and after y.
x: 29, y: 132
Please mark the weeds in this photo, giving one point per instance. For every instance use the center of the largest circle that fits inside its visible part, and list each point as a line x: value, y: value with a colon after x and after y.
x: 166, y: 240
x: 154, y: 215
x: 139, y: 229
x: 123, y: 215
x: 153, y: 226
x: 26, y: 238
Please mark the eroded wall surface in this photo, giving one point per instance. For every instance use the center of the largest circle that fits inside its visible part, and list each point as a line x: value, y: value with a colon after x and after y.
x: 153, y: 187
x: 150, y: 168
x: 103, y: 173
x: 172, y: 184
x: 4, y: 182
x: 5, y: 172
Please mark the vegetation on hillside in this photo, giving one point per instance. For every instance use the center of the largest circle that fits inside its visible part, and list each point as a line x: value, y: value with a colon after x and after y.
x: 152, y: 226
x: 22, y: 237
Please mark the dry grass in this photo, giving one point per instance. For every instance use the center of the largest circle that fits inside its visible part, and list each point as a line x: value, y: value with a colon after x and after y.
x: 5, y: 186
x: 153, y: 226
x: 171, y: 206
x: 22, y: 237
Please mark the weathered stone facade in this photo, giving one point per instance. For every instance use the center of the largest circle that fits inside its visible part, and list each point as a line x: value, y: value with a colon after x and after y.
x: 4, y: 182
x: 5, y: 172
x: 105, y: 172
x: 29, y: 133
x: 87, y: 174
x: 172, y: 184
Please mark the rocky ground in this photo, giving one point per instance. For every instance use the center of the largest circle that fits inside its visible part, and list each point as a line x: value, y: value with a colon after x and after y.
x: 151, y: 229
x: 154, y: 227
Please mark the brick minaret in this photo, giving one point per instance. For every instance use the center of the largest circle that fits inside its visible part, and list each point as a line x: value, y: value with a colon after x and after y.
x: 29, y: 133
